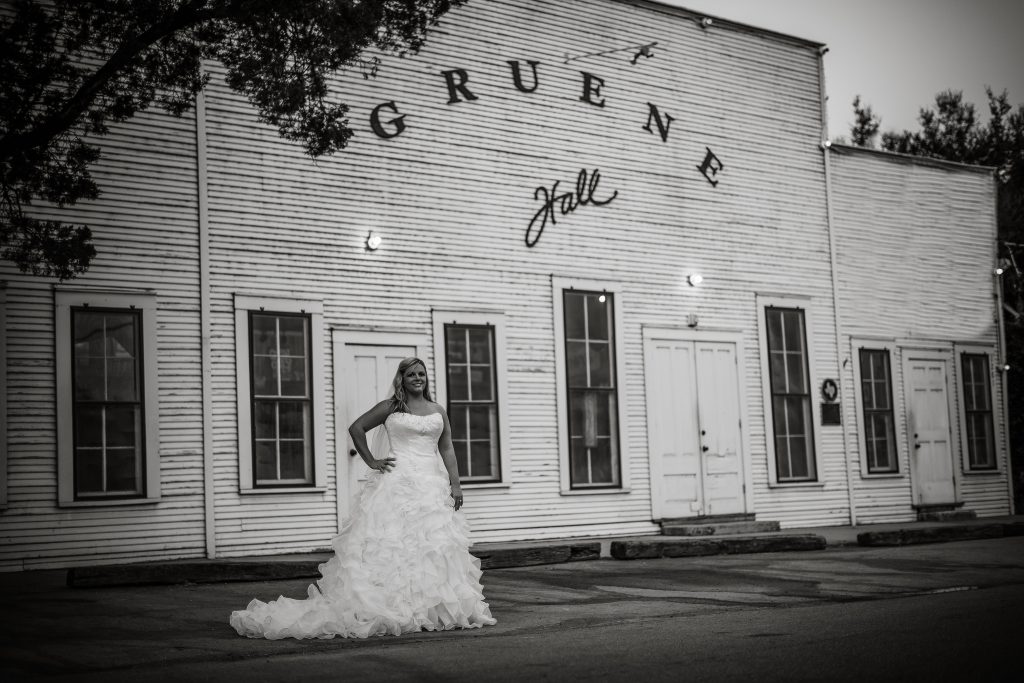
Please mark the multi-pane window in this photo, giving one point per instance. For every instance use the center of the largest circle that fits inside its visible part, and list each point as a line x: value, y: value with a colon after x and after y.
x: 592, y: 392
x: 473, y: 400
x: 107, y: 408
x: 790, y: 395
x: 981, y: 447
x: 281, y: 399
x: 879, y: 421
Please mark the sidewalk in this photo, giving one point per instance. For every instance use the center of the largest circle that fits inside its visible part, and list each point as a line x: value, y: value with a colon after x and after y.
x: 553, y: 551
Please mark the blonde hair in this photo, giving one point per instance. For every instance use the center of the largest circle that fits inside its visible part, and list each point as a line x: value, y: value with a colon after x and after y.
x: 398, y: 393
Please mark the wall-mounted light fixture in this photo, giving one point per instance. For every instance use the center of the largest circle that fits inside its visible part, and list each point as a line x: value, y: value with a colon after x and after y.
x: 826, y: 144
x: 694, y: 279
x: 373, y: 241
x: 999, y: 270
x: 705, y: 22
x: 602, y: 298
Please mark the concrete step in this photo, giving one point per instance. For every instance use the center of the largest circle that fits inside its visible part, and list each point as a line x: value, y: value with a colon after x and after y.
x: 682, y: 546
x: 946, y: 515
x: 717, y: 528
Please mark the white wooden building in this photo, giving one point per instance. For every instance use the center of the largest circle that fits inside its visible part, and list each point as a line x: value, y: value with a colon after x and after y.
x: 643, y: 287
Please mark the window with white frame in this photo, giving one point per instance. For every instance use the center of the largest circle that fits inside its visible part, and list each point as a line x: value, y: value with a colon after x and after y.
x: 877, y: 411
x: 107, y: 401
x: 790, y: 394
x: 473, y: 400
x: 591, y: 388
x: 280, y: 398
x: 469, y: 353
x: 978, y: 423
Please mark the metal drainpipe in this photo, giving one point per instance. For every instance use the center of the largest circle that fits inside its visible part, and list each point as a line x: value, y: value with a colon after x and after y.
x: 826, y: 152
x: 1004, y: 375
x: 210, y: 527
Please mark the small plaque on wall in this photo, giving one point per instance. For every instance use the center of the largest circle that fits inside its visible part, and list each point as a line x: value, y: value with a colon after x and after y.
x: 830, y: 414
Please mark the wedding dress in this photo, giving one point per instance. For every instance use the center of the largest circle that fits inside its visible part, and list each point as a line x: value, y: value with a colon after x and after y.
x: 401, y: 562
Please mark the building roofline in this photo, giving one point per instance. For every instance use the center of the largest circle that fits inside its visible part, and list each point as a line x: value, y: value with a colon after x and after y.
x: 719, y: 22
x: 912, y: 159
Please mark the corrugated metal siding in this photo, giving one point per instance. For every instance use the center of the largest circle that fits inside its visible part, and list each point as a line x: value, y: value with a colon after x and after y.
x: 144, y: 230
x: 452, y: 197
x: 915, y: 245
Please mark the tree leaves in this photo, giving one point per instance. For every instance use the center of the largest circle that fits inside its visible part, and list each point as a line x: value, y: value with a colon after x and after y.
x: 72, y: 67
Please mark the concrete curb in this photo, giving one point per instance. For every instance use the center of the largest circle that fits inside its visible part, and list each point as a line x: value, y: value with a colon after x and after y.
x: 938, y: 534
x: 525, y: 554
x: 685, y: 546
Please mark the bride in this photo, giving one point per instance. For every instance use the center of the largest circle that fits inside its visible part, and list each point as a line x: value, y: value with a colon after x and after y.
x: 402, y: 561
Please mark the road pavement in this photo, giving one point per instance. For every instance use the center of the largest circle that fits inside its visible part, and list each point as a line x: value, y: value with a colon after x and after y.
x: 924, y: 612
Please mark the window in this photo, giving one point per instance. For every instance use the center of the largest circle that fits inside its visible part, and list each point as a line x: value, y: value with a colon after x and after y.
x: 473, y: 400
x: 790, y: 392
x: 591, y: 388
x: 472, y: 384
x: 877, y: 411
x: 107, y: 401
x: 282, y: 416
x: 977, y: 390
x: 281, y: 422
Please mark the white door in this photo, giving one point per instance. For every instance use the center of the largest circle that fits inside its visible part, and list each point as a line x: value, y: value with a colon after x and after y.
x: 693, y: 418
x: 931, y: 453
x: 365, y: 375
x: 719, y: 416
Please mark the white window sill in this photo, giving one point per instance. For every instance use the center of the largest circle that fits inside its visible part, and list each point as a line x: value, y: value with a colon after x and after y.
x: 797, y: 485
x: 883, y: 475
x: 103, y: 502
x: 283, y: 489
x: 593, y: 492
x: 485, y: 485
x: 982, y: 473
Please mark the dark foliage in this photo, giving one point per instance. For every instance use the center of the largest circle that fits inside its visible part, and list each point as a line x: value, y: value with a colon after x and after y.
x: 72, y: 67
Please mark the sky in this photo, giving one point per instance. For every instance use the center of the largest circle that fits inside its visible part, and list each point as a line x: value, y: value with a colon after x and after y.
x: 897, y: 54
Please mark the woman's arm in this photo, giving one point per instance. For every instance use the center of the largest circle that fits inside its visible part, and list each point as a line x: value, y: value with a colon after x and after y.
x: 447, y: 450
x: 374, y: 417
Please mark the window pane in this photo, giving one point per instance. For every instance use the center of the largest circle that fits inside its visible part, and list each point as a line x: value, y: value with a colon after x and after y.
x: 576, y: 413
x: 122, y: 426
x: 121, y: 379
x: 579, y: 471
x: 574, y: 326
x: 293, y: 336
x: 120, y: 341
x: 796, y: 381
x: 777, y: 367
x: 461, y: 457
x: 480, y: 452
x: 481, y: 419
x: 458, y: 384
x: 89, y: 381
x: 89, y: 426
x: 457, y: 417
x: 293, y: 376
x: 774, y: 318
x: 456, y: 337
x: 265, y: 419
x: 480, y: 345
x: 266, y: 460
x: 122, y: 471
x: 602, y: 417
x: 293, y: 459
x: 598, y: 316
x: 264, y: 335
x: 792, y: 322
x: 601, y: 463
x: 600, y: 365
x: 88, y: 335
x: 88, y: 470
x: 264, y: 376
x: 293, y: 419
x: 798, y: 457
x: 576, y: 363
x: 480, y: 378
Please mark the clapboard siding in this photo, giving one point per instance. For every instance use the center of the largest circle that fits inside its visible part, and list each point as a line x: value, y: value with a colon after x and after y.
x: 452, y: 197
x: 144, y: 227
x: 931, y: 286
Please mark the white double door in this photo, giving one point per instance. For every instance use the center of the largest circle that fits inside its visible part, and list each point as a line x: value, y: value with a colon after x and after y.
x: 365, y: 365
x: 694, y: 427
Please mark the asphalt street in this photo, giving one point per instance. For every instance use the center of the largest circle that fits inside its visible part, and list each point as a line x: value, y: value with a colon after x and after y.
x: 949, y: 611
